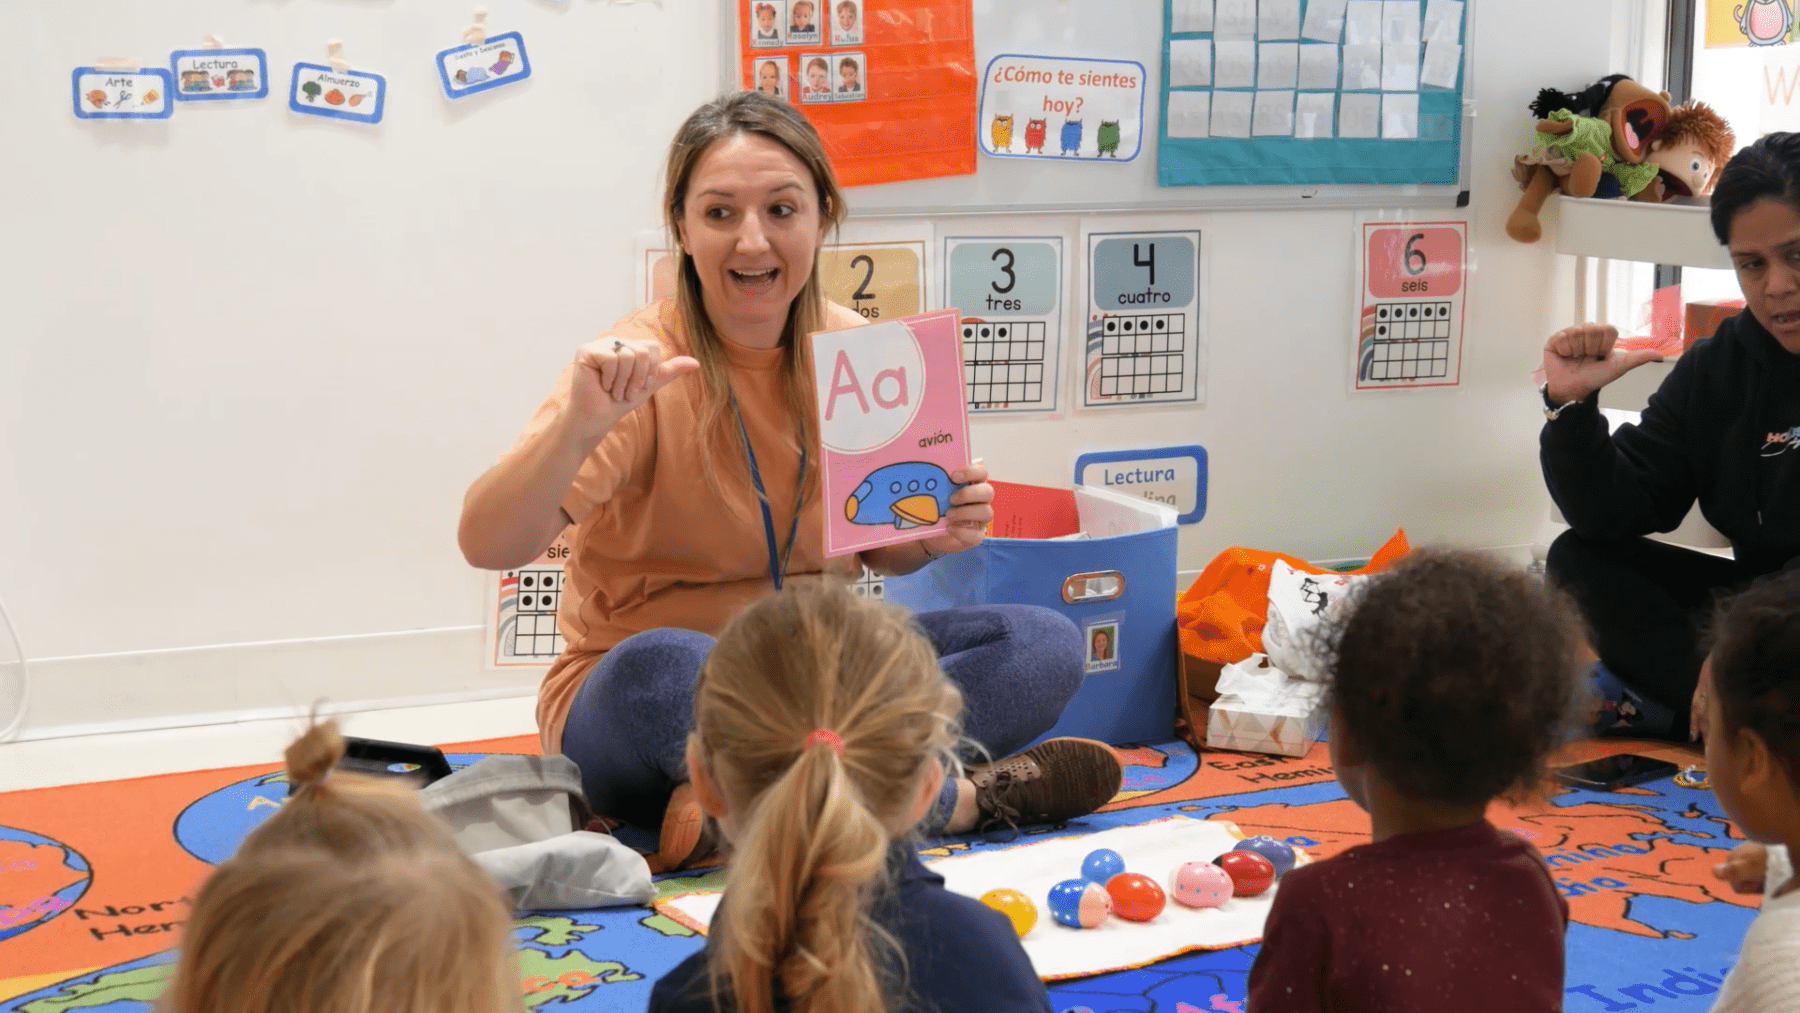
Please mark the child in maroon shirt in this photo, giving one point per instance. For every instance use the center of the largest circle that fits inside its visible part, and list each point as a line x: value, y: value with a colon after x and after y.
x: 1452, y: 676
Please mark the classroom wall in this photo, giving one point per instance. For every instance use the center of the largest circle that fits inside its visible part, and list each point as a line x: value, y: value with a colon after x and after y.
x: 252, y: 361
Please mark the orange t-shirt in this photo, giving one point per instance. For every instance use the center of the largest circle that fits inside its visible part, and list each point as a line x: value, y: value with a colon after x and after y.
x: 655, y: 544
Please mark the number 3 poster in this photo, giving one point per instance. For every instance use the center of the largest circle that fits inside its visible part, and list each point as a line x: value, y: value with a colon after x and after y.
x: 1413, y: 282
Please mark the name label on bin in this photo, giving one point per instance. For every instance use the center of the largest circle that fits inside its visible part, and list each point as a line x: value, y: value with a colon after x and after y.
x: 1172, y: 475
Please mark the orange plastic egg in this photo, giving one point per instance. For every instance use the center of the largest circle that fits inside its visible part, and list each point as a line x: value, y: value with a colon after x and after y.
x: 1135, y: 896
x: 1017, y: 908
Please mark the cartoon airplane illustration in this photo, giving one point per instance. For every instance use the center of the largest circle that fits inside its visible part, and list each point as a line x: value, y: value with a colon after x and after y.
x: 911, y: 494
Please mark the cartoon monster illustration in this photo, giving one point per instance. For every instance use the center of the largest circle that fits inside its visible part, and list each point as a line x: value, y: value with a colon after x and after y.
x: 912, y: 494
x: 500, y: 65
x: 1764, y: 22
x: 1071, y: 137
x: 97, y: 98
x: 1108, y: 138
x: 311, y: 90
x: 1034, y: 136
x: 1001, y: 132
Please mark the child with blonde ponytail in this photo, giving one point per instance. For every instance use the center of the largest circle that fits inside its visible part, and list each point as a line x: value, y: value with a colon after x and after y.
x: 350, y: 899
x: 823, y: 729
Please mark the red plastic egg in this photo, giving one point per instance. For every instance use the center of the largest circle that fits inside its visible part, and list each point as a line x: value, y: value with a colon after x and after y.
x: 1250, y: 872
x: 1202, y: 884
x: 1135, y: 896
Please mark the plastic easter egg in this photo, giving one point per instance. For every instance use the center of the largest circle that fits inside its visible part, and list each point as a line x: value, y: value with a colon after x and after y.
x: 1279, y: 854
x: 1101, y: 865
x: 1250, y: 872
x: 1017, y: 908
x: 1201, y: 884
x: 1135, y: 896
x: 1079, y: 903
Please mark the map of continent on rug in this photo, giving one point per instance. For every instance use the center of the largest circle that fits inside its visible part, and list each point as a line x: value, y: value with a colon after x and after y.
x: 95, y: 881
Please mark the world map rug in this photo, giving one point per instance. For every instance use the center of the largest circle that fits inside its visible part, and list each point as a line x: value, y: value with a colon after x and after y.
x: 96, y: 881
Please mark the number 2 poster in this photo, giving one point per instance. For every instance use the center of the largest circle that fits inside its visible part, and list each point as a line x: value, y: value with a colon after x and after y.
x: 1413, y: 283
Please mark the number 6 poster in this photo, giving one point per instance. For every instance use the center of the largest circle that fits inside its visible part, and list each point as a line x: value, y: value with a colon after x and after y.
x: 1413, y: 281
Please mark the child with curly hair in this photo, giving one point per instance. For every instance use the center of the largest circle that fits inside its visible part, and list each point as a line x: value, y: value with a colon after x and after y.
x: 1753, y: 762
x: 1451, y: 677
x: 823, y: 727
x: 349, y: 899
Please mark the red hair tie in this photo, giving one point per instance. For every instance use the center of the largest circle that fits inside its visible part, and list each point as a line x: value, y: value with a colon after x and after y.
x: 827, y: 736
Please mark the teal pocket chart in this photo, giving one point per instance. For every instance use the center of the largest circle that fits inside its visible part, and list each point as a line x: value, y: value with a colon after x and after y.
x: 1312, y: 92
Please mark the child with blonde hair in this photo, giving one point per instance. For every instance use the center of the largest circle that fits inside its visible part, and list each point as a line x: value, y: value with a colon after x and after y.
x: 349, y: 899
x: 1452, y: 676
x: 823, y: 729
x: 1753, y: 762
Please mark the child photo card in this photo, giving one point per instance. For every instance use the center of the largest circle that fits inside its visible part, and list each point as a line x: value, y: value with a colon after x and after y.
x: 894, y: 426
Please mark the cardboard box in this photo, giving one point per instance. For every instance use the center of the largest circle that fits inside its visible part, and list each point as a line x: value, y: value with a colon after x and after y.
x: 1287, y: 729
x: 1704, y: 316
x: 1261, y: 710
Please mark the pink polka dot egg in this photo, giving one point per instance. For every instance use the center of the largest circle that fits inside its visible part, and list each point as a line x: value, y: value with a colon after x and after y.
x: 1200, y: 884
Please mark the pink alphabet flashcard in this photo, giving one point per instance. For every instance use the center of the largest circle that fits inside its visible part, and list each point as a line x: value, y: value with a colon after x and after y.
x: 895, y: 428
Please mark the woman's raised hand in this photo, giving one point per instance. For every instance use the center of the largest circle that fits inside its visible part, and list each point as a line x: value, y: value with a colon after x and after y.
x: 1580, y: 360
x: 613, y: 376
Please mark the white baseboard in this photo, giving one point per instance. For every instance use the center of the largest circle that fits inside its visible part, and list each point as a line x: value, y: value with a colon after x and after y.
x: 183, y: 687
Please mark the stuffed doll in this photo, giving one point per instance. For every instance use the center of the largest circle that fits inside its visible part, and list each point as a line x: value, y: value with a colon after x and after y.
x: 1597, y: 141
x: 1692, y: 148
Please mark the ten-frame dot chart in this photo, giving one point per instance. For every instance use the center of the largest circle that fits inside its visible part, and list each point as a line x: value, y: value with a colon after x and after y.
x: 1408, y: 341
x: 1142, y: 353
x: 1004, y: 365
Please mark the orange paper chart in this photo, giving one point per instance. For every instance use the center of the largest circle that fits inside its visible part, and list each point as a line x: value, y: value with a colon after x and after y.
x: 890, y: 86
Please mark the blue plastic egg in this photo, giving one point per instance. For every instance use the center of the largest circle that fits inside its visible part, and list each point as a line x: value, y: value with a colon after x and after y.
x: 1279, y: 854
x: 1079, y: 903
x: 1102, y: 864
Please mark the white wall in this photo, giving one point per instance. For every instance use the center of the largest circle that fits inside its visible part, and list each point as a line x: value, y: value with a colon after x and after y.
x: 251, y: 361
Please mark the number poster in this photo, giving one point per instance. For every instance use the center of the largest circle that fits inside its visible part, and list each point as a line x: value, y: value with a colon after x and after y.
x: 881, y: 280
x: 1413, y: 279
x: 1142, y: 344
x: 1010, y: 294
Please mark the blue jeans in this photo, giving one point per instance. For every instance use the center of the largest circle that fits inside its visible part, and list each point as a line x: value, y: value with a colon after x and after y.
x: 1017, y: 666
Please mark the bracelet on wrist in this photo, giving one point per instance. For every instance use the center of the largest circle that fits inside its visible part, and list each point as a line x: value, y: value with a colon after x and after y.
x: 1553, y: 411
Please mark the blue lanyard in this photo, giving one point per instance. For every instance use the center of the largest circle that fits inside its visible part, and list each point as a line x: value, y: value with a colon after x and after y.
x: 777, y: 562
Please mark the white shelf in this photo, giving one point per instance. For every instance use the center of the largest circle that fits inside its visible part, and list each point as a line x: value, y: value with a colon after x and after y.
x: 1630, y: 230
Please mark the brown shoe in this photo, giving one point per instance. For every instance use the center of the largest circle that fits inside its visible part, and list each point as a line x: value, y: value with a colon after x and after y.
x: 1052, y: 782
x: 688, y: 836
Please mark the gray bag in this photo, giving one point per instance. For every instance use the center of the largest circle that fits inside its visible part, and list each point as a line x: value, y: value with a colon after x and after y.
x: 521, y: 818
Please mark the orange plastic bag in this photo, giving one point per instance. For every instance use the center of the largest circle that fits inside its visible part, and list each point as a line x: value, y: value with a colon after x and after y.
x: 1221, y: 614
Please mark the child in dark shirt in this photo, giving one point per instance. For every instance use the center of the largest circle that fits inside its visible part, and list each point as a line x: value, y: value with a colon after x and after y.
x: 1452, y: 677
x: 822, y: 729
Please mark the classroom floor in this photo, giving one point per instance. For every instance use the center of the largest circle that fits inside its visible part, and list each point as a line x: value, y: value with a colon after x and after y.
x: 1647, y: 922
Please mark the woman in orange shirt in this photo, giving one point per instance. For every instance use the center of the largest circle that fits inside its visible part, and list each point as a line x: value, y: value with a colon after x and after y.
x: 682, y: 449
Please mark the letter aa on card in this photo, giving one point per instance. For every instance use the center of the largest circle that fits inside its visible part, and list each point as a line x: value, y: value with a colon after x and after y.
x: 895, y: 428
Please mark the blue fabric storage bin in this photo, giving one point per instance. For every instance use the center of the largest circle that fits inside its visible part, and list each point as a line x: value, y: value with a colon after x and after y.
x: 1132, y: 702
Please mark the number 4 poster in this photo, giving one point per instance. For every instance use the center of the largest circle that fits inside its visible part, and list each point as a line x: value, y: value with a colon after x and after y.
x: 1413, y: 282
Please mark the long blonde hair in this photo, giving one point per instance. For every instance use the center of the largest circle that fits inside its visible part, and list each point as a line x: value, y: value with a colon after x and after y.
x: 748, y: 112
x: 812, y: 834
x: 350, y: 899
